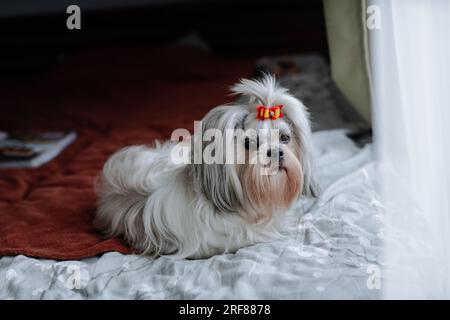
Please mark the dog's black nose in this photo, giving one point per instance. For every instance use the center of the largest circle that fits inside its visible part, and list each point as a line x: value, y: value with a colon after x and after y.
x: 273, y: 152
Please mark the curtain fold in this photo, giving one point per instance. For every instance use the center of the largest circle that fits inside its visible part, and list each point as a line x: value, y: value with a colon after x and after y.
x: 410, y: 59
x: 346, y: 33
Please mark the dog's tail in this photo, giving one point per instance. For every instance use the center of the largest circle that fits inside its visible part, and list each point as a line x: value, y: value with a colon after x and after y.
x: 123, y: 189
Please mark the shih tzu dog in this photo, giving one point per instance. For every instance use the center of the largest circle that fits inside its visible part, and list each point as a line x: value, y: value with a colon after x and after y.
x: 209, y: 205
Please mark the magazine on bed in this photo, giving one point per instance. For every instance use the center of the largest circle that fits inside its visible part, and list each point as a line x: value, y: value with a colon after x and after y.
x: 33, y: 149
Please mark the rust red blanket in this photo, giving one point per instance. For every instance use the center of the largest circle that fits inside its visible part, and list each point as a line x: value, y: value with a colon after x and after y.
x: 111, y: 98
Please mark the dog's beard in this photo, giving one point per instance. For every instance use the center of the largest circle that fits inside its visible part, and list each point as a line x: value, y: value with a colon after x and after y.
x: 273, y: 192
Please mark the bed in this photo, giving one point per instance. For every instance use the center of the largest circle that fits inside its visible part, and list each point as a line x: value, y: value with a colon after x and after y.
x: 334, y: 252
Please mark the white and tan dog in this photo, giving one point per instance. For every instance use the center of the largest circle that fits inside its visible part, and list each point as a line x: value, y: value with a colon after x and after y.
x: 195, y: 210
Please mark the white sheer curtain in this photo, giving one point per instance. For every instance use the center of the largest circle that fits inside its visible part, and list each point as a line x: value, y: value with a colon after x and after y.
x: 410, y: 59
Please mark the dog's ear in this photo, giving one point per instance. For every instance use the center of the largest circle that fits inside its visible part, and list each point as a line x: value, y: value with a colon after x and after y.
x: 296, y: 113
x: 221, y: 186
x: 219, y: 181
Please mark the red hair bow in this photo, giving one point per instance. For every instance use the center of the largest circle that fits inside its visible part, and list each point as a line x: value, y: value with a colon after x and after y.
x: 264, y: 113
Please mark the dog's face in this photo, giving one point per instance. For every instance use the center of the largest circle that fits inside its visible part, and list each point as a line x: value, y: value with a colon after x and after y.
x: 271, y: 157
x: 271, y: 177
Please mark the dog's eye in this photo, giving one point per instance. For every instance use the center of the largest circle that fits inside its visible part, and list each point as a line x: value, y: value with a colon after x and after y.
x: 285, y: 138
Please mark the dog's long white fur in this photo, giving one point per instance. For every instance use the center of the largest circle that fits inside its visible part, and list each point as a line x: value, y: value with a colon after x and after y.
x: 162, y: 208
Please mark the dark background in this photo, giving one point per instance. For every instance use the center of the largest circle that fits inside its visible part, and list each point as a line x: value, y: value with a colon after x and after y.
x: 34, y: 37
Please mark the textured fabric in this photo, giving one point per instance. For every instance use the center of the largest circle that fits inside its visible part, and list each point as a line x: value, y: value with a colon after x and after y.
x: 333, y: 253
x: 111, y: 98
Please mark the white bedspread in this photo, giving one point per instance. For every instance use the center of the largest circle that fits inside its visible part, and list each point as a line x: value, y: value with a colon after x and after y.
x: 334, y: 252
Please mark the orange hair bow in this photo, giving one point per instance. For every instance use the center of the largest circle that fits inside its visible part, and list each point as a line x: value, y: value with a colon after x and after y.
x: 264, y: 113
